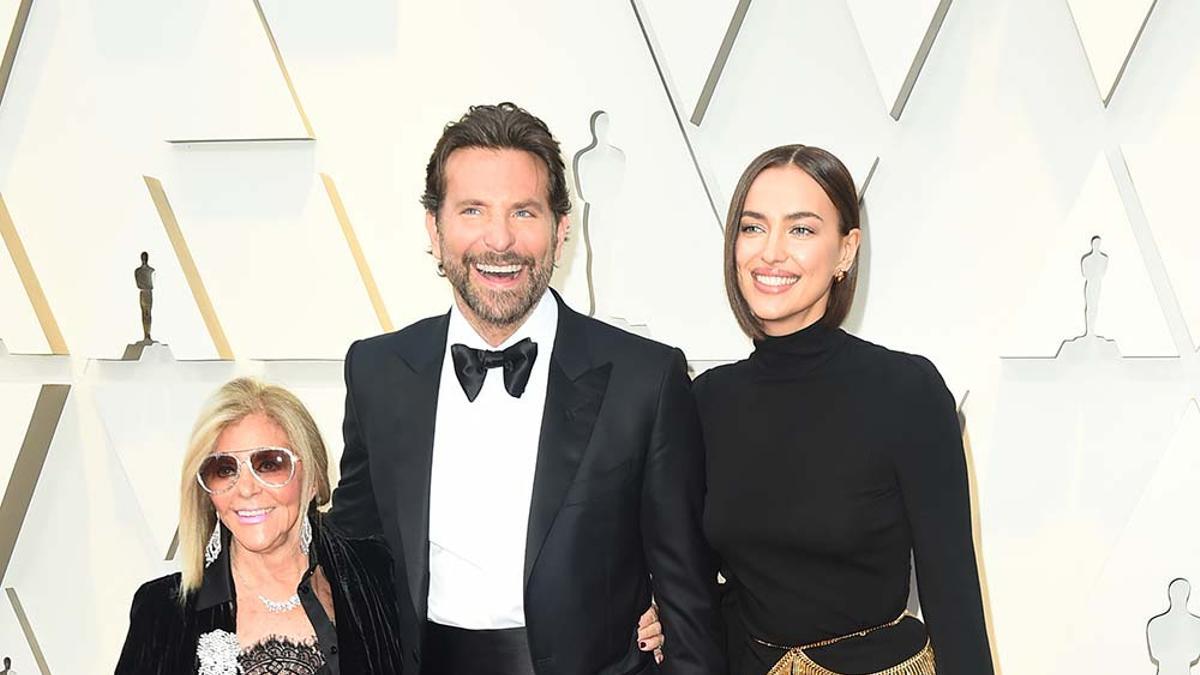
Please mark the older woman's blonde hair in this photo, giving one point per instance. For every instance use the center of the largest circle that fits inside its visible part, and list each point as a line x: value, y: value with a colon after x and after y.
x: 233, y: 402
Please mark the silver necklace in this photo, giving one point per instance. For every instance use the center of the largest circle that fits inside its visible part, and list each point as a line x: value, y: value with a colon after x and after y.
x: 277, y: 607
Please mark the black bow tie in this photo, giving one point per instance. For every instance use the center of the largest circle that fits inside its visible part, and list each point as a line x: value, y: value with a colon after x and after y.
x: 471, y: 366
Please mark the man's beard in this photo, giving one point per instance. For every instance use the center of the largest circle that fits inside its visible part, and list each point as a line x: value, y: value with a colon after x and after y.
x: 495, y: 307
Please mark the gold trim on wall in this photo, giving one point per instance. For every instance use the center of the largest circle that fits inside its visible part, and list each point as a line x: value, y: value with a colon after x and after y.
x: 188, y: 264
x: 27, y: 629
x: 262, y: 17
x: 23, y: 479
x: 360, y: 260
x: 14, y: 41
x: 33, y: 288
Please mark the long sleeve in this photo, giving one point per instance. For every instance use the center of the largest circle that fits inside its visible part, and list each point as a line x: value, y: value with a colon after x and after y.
x: 354, y: 511
x: 156, y: 633
x: 932, y: 472
x: 681, y: 564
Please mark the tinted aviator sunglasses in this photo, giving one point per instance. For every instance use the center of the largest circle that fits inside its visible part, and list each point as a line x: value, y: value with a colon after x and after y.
x: 272, y: 466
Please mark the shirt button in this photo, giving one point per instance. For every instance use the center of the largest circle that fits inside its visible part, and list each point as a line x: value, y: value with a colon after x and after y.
x: 304, y: 590
x: 333, y: 649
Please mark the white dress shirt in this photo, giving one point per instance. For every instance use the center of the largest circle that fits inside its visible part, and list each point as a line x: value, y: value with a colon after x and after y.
x: 484, y: 456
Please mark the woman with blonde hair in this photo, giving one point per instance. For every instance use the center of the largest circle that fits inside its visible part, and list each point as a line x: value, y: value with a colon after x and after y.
x: 266, y: 585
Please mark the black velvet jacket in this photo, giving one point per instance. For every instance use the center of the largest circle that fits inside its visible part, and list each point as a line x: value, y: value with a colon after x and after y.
x: 163, y: 634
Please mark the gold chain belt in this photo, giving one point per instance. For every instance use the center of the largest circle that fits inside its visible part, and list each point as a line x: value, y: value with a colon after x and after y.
x: 796, y: 662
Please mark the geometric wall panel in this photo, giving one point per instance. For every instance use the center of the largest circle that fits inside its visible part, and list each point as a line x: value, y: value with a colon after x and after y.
x: 82, y: 546
x: 1110, y: 31
x: 1164, y: 176
x: 845, y: 118
x: 694, y: 37
x: 978, y: 216
x: 23, y: 654
x: 897, y: 36
x: 1159, y: 544
x: 1052, y: 306
x: 1077, y: 449
x: 232, y: 84
x: 277, y: 265
x: 25, y: 469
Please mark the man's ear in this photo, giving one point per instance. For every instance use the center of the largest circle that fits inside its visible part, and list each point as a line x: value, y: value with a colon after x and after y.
x: 560, y: 236
x: 435, y: 244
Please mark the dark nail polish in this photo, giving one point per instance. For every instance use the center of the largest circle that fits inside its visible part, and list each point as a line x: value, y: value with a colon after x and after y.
x: 642, y: 644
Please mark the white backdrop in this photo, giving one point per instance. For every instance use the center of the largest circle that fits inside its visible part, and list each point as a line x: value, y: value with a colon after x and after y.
x: 993, y: 138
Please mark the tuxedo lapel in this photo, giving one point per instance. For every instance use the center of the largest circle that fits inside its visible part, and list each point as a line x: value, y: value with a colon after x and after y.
x: 574, y: 391
x: 415, y: 394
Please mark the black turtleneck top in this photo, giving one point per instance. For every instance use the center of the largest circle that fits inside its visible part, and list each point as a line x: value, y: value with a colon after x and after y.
x: 830, y: 460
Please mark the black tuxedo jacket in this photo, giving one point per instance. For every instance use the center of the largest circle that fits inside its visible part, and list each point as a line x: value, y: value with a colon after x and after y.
x: 617, y: 497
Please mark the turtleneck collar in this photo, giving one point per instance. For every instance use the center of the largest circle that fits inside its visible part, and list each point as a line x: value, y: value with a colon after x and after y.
x: 798, y: 352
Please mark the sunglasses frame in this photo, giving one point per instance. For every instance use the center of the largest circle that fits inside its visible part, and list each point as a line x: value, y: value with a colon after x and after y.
x: 246, y: 460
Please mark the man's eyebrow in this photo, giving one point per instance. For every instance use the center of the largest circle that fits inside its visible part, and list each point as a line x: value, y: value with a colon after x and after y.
x: 528, y: 203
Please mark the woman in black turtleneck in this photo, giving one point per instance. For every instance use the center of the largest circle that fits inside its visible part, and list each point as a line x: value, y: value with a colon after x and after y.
x: 830, y: 459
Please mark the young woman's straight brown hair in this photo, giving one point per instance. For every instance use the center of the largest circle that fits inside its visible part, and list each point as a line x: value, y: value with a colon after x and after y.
x: 833, y: 177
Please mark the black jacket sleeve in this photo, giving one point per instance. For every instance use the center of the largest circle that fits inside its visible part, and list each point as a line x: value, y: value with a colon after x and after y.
x: 682, y: 566
x: 157, y: 634
x: 354, y: 511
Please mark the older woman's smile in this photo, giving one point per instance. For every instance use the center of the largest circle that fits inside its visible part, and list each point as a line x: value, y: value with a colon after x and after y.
x: 253, y: 516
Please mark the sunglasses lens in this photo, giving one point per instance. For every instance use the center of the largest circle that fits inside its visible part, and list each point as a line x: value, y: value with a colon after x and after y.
x: 273, y: 466
x: 218, y: 473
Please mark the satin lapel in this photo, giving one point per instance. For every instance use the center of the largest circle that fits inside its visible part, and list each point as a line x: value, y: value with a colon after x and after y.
x: 574, y: 393
x: 415, y: 392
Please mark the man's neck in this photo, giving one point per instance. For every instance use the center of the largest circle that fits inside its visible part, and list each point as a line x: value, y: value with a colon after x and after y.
x: 493, y: 334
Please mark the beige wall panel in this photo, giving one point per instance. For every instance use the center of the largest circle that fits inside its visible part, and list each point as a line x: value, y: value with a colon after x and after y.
x: 82, y: 546
x: 230, y: 85
x: 13, y: 637
x: 1152, y: 552
x: 78, y: 130
x: 269, y: 248
x: 1077, y: 447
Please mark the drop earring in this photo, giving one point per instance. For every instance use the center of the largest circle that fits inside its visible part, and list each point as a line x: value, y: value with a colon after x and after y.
x: 213, y: 549
x: 305, y: 535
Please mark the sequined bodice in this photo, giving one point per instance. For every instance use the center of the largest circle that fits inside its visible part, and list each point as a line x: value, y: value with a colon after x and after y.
x: 282, y: 656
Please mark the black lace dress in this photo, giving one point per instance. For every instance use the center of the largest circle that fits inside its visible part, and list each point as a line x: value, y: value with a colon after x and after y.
x: 277, y: 655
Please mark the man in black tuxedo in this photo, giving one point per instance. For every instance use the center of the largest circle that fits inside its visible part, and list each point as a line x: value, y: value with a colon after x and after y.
x: 537, y: 473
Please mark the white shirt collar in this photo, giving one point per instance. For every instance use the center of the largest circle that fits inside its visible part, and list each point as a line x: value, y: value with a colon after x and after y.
x: 541, y: 326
